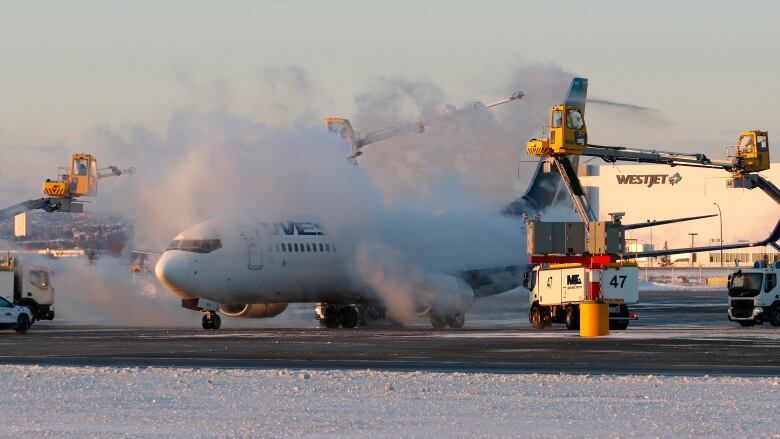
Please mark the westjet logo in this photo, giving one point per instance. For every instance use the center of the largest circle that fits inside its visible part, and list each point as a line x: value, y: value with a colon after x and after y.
x: 649, y: 179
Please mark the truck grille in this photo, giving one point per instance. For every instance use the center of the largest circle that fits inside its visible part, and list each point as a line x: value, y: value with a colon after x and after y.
x: 741, y: 308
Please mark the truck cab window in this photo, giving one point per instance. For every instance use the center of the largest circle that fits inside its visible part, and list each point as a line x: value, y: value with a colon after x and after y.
x: 574, y: 119
x: 39, y: 279
x: 557, y: 119
x: 771, y: 282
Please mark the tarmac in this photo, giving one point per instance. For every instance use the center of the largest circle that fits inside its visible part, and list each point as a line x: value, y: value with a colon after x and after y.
x: 679, y: 333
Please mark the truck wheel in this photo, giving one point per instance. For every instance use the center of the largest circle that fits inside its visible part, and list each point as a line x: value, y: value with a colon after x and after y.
x: 572, y: 319
x: 746, y: 324
x: 536, y: 318
x: 618, y: 325
x: 775, y: 321
x: 22, y: 324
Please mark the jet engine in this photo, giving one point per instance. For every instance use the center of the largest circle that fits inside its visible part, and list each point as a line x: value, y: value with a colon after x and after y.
x: 253, y: 310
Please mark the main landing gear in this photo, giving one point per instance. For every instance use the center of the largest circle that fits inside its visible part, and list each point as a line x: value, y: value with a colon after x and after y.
x: 454, y: 321
x: 211, y: 320
x: 332, y: 316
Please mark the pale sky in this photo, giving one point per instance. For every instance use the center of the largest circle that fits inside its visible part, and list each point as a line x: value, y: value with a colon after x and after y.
x: 709, y: 67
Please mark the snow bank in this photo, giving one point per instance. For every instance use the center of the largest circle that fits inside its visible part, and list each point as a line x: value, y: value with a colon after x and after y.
x: 162, y: 402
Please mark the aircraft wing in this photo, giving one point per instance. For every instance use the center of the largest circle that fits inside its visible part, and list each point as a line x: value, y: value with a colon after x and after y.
x: 490, y: 281
x: 770, y: 240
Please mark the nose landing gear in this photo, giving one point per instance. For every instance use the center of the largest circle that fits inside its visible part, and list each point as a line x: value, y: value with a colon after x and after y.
x: 211, y: 320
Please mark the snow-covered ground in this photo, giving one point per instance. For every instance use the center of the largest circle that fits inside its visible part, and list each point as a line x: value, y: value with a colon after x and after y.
x: 160, y: 402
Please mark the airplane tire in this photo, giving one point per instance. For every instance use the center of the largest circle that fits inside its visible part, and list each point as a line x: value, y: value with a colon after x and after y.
x: 438, y: 322
x: 349, y: 316
x: 211, y: 323
x: 22, y: 324
x: 456, y: 320
x: 331, y: 322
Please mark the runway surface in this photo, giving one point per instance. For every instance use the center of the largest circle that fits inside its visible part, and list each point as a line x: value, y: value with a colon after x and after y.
x: 678, y: 333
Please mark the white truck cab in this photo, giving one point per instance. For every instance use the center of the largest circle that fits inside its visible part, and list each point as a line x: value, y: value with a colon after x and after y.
x: 754, y: 296
x: 556, y: 291
x: 27, y: 286
x: 14, y: 316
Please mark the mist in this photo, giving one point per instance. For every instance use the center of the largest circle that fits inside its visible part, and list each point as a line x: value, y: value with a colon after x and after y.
x: 416, y: 204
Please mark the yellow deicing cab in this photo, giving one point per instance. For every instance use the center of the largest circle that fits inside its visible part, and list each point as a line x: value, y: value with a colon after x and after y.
x: 79, y: 180
x: 568, y: 134
x: 752, y: 151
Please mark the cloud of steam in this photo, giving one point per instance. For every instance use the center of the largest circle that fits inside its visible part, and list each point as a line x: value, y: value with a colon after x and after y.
x: 397, y: 282
x: 481, y: 152
x: 416, y: 203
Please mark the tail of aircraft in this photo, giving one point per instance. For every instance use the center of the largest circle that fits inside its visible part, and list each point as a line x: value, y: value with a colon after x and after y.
x: 547, y: 188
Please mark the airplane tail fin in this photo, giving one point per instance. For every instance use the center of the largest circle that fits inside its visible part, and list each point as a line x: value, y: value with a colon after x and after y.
x: 547, y: 188
x: 578, y: 93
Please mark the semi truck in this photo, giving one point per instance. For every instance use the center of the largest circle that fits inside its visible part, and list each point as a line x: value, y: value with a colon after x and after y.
x: 556, y: 292
x: 27, y: 286
x: 754, y: 296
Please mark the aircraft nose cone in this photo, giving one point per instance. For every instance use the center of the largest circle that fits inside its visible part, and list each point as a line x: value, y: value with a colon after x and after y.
x: 171, y: 270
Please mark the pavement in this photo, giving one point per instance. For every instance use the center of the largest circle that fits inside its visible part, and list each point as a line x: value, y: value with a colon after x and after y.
x: 679, y: 333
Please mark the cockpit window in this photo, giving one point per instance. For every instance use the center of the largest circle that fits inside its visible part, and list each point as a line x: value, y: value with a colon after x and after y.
x: 195, y: 245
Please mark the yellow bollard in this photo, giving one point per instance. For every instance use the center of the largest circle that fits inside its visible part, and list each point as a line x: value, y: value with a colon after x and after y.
x: 594, y: 319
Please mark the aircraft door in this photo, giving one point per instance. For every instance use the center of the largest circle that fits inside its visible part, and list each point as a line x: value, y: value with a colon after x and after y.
x: 255, y: 251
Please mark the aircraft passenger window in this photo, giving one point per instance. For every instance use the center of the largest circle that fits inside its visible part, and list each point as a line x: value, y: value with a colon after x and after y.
x: 295, y: 246
x: 308, y: 247
x: 327, y: 247
x: 321, y: 248
x: 314, y: 247
x: 557, y: 119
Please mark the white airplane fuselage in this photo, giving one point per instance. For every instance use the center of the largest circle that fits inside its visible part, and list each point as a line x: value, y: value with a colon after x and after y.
x: 241, y: 262
x: 246, y: 262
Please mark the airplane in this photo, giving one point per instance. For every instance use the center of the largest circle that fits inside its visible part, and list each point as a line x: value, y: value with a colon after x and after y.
x: 254, y: 267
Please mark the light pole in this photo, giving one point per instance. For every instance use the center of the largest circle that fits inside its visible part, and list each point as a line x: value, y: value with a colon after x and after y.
x: 692, y: 235
x: 720, y: 217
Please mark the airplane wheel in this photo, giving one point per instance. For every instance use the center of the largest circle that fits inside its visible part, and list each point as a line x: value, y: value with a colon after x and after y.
x: 438, y: 322
x: 211, y: 321
x: 331, y: 322
x: 349, y: 316
x: 22, y: 324
x: 456, y: 321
